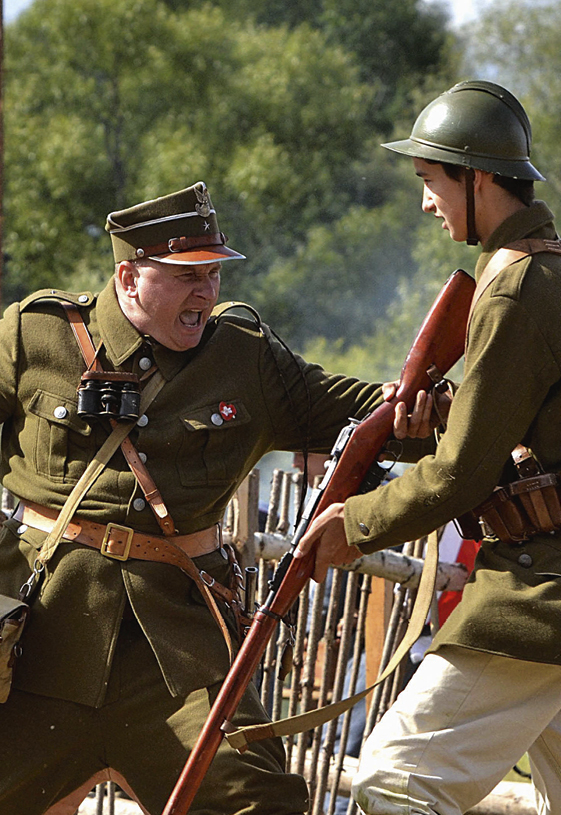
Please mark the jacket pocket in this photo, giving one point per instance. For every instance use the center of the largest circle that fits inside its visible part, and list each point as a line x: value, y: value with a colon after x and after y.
x: 214, y: 450
x: 61, y: 448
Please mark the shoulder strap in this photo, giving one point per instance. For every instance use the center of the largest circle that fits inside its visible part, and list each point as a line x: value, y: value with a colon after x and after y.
x: 506, y: 256
x: 139, y: 470
x: 222, y: 308
x: 85, y: 298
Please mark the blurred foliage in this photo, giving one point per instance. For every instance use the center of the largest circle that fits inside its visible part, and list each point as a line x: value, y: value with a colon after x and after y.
x: 280, y: 107
x: 109, y: 102
x: 379, y: 357
x: 397, y: 45
x: 516, y: 43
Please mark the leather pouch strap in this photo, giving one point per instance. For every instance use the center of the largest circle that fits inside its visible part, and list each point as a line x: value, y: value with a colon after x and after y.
x: 525, y: 462
x: 139, y: 470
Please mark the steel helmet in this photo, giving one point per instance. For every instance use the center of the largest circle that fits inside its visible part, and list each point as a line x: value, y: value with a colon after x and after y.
x: 475, y: 124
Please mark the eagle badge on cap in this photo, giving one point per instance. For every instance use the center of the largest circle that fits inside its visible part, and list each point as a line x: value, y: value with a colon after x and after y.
x: 204, y: 207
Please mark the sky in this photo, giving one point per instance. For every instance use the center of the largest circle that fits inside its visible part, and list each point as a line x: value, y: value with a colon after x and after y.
x: 462, y: 10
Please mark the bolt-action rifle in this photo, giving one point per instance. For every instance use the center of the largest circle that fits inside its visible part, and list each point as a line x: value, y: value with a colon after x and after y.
x: 437, y: 347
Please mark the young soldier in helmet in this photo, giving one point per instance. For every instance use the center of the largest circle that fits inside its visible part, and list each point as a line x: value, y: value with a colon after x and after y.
x: 135, y: 605
x: 490, y: 689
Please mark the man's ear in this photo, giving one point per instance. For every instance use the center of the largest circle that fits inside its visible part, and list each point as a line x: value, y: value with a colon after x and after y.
x: 127, y: 277
x: 481, y: 179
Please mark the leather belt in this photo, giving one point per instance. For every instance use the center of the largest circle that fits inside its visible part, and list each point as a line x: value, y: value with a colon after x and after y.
x: 121, y: 542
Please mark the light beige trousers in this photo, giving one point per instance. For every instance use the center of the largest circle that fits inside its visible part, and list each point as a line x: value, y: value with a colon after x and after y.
x: 462, y: 722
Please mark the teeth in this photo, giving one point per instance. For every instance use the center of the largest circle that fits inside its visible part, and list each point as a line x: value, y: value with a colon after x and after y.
x: 190, y: 318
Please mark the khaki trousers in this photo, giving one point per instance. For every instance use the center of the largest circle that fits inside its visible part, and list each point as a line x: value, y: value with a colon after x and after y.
x: 50, y: 747
x: 460, y: 725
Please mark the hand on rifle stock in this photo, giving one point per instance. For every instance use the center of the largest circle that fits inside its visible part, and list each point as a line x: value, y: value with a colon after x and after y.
x: 327, y: 533
x: 430, y: 410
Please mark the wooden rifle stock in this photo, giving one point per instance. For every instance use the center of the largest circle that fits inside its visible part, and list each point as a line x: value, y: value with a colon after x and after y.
x: 439, y: 343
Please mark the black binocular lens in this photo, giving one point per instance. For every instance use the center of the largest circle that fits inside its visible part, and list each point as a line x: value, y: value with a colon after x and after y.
x: 99, y: 398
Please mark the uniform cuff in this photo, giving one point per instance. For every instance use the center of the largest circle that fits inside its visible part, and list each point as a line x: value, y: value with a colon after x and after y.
x: 361, y: 529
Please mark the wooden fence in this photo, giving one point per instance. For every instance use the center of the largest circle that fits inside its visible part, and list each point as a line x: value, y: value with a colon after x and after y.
x: 344, y: 631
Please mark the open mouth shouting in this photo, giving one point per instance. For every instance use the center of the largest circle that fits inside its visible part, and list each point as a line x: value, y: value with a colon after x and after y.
x: 191, y: 318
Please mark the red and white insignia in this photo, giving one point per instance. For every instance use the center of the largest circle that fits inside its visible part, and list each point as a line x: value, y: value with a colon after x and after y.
x: 227, y: 411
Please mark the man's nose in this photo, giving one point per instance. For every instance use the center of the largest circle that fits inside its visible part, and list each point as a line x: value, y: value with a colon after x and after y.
x: 427, y: 204
x: 205, y: 287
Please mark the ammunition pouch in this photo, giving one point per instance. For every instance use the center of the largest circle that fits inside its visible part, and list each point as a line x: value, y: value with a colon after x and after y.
x: 529, y: 506
x: 13, y: 614
x: 523, y: 508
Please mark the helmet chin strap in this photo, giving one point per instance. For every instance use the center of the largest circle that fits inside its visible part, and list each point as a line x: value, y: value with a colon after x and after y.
x: 472, y: 239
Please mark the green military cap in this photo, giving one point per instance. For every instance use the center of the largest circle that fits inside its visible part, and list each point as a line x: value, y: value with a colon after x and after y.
x: 474, y: 124
x: 176, y: 228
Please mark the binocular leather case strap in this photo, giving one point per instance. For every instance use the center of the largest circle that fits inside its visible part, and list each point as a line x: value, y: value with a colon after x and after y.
x: 147, y: 484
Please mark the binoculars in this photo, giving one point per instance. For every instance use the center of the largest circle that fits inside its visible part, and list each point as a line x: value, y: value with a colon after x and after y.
x: 109, y: 394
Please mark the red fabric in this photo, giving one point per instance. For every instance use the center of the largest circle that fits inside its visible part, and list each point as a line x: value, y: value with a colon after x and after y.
x: 449, y: 599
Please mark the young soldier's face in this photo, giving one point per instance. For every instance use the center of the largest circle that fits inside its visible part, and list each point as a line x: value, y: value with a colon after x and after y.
x: 444, y: 197
x: 171, y: 302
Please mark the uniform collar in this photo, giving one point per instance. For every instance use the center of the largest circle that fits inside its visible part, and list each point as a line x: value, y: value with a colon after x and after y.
x: 120, y: 337
x: 535, y: 220
x: 122, y: 340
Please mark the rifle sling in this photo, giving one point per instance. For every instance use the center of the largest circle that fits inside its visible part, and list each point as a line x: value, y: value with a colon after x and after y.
x: 242, y: 737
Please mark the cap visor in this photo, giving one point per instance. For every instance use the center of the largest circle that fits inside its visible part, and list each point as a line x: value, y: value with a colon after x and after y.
x: 202, y: 255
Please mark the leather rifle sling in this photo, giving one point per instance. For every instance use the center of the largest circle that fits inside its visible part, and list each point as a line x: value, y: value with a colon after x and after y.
x: 242, y: 737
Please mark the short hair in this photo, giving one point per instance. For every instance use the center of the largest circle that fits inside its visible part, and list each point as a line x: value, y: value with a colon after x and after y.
x: 521, y: 188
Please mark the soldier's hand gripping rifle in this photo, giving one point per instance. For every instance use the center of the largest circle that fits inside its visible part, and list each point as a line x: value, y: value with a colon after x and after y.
x: 438, y: 345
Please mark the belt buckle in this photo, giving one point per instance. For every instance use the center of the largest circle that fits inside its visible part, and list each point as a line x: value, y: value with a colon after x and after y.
x: 106, y: 541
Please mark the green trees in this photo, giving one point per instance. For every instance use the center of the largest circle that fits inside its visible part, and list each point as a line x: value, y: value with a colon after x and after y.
x: 279, y: 107
x: 518, y: 41
x: 78, y: 87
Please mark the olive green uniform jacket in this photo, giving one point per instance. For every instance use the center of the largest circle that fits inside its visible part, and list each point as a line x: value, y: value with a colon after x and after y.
x: 197, y: 464
x: 511, y: 392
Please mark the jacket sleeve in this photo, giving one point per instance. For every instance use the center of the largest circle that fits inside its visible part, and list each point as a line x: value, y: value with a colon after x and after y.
x: 306, y: 402
x: 509, y: 370
x: 9, y: 344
